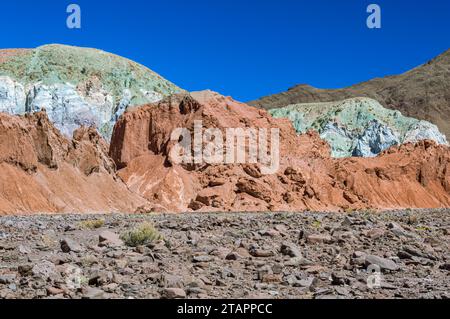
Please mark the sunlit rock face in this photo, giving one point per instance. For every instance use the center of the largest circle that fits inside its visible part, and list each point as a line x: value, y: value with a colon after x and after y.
x: 12, y: 96
x: 358, y: 126
x: 77, y: 86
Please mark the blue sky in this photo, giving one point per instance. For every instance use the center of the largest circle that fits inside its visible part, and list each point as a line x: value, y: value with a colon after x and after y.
x: 243, y: 48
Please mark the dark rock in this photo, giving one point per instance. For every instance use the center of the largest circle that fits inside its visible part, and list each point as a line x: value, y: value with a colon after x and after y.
x: 290, y: 249
x: 7, y: 279
x: 68, y: 245
x: 339, y: 279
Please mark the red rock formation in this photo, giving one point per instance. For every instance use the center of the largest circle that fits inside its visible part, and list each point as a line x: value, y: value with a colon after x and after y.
x: 42, y: 171
x: 410, y: 175
x: 308, y: 178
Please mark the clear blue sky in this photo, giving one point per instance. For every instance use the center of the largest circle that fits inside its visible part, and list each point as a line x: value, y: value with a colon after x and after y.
x: 243, y: 48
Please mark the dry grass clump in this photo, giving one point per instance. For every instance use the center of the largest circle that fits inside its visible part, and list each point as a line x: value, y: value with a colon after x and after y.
x: 92, y: 223
x: 143, y: 234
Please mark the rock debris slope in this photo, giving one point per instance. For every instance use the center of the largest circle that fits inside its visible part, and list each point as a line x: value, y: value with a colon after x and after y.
x: 411, y: 175
x: 77, y: 86
x: 284, y: 255
x: 359, y: 126
x: 43, y: 172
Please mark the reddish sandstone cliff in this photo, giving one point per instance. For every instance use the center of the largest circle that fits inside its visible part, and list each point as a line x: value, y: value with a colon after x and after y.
x: 415, y: 176
x: 43, y: 172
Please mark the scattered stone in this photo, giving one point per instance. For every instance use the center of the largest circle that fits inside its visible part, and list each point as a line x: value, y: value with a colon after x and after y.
x: 347, y: 222
x: 309, y: 282
x: 263, y: 271
x: 386, y: 285
x: 172, y: 281
x: 375, y: 233
x: 202, y: 259
x: 12, y: 287
x: 271, y: 278
x: 290, y: 249
x: 314, y: 269
x: 223, y: 266
x: 445, y: 266
x: 399, y: 231
x: 243, y: 252
x: 109, y: 238
x: 256, y: 252
x: 218, y: 181
x: 220, y: 283
x: 68, y: 245
x: 24, y: 249
x: 339, y: 279
x: 269, y: 233
x: 44, y: 270
x: 413, y: 251
x: 277, y: 269
x: 173, y: 293
x: 383, y: 263
x: 298, y: 261
x: 52, y: 291
x: 319, y: 238
x: 343, y: 291
x: 93, y: 293
x: 25, y: 270
x: 220, y: 252
x: 7, y: 279
x: 233, y: 256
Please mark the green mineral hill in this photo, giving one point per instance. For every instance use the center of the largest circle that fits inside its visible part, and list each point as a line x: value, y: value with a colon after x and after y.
x: 55, y: 63
x: 354, y: 114
x: 353, y: 126
x: 76, y: 86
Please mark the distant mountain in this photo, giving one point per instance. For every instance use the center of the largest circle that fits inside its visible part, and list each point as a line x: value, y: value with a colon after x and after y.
x: 76, y: 86
x: 422, y: 93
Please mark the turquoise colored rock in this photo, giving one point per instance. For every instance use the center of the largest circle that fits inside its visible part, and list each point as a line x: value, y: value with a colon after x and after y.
x: 358, y: 126
x: 78, y: 86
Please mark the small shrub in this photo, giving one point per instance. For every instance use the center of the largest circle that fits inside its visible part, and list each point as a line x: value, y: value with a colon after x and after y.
x: 317, y: 224
x: 92, y: 224
x: 423, y: 228
x: 349, y: 210
x: 143, y: 234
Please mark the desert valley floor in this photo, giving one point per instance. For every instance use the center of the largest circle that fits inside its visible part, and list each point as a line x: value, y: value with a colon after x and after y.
x: 263, y: 255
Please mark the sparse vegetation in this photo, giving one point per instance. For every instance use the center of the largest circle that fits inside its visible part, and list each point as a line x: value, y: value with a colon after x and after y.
x: 423, y: 228
x: 317, y: 224
x: 143, y: 234
x: 349, y: 210
x: 92, y: 223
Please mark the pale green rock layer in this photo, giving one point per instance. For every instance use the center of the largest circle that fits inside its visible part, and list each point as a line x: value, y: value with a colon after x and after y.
x: 358, y: 126
x: 67, y: 80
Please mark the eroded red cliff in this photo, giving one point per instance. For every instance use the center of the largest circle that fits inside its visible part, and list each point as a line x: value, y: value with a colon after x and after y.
x: 43, y: 172
x: 409, y: 176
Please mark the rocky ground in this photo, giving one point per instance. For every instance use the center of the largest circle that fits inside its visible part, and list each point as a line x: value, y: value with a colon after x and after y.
x: 295, y: 255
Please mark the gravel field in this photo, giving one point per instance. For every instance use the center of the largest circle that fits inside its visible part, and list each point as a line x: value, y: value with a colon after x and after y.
x: 398, y: 254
